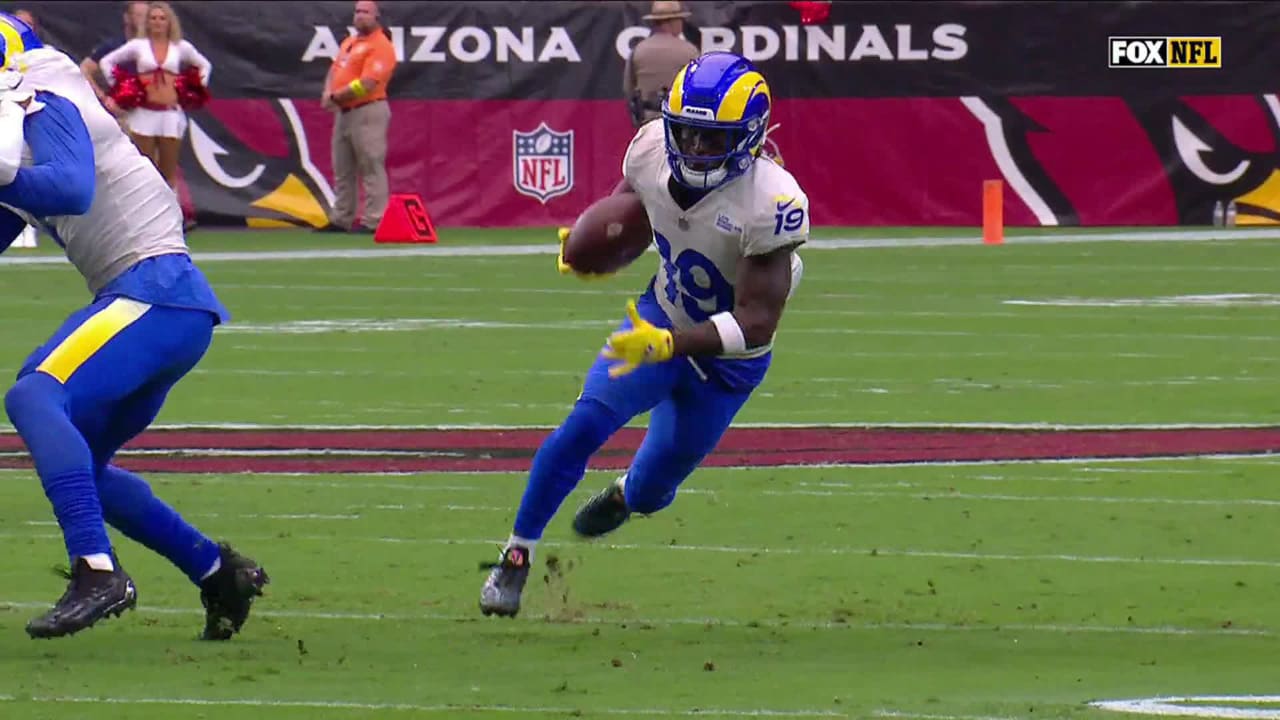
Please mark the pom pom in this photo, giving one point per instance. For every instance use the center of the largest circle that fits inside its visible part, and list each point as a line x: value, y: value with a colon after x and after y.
x: 812, y: 12
x: 192, y: 94
x: 127, y: 90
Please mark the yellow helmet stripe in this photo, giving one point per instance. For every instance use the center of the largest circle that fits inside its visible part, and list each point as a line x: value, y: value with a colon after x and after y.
x: 675, y: 99
x: 734, y: 103
x: 13, y: 44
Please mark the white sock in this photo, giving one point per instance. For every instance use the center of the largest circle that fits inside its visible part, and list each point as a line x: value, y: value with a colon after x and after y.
x: 621, y: 482
x: 522, y: 542
x: 100, y: 561
x: 27, y: 238
x: 217, y: 565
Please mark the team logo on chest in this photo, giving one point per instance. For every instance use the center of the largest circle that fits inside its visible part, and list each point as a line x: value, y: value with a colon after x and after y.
x: 542, y: 162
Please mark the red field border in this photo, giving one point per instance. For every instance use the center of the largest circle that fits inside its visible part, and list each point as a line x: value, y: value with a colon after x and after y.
x: 375, y: 450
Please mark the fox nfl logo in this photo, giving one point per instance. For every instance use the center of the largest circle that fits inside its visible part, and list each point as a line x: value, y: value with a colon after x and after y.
x: 1165, y: 52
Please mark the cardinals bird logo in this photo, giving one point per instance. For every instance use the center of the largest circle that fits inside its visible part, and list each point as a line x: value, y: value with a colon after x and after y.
x: 1161, y: 161
x: 259, y: 174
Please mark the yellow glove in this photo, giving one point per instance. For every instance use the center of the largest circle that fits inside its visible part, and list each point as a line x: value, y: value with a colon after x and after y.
x: 565, y: 268
x: 643, y: 343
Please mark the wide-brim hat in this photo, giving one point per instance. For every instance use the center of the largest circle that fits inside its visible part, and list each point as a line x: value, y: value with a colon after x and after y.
x: 666, y: 10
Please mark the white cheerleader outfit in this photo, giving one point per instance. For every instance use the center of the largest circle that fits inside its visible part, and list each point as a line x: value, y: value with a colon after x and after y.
x: 156, y: 121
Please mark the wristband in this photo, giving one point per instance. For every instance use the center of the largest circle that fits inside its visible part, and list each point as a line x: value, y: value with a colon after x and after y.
x: 730, y: 332
x: 357, y: 87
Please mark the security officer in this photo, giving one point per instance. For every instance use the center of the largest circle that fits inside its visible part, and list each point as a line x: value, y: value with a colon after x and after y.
x: 654, y: 62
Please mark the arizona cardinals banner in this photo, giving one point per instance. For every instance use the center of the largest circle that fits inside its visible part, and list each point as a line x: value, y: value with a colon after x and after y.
x: 511, y: 113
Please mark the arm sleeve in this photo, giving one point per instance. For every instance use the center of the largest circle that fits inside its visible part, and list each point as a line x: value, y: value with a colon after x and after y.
x: 784, y: 222
x: 187, y: 53
x: 11, y: 226
x: 108, y: 63
x: 62, y: 177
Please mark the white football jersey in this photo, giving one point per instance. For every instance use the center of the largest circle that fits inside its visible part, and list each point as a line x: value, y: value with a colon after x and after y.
x: 134, y: 214
x: 754, y: 214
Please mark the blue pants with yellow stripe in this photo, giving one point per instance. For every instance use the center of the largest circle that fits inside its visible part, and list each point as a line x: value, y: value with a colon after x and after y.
x: 691, y: 406
x: 97, y: 383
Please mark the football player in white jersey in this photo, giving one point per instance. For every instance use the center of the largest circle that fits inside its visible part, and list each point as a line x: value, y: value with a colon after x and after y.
x: 726, y: 222
x: 103, y: 375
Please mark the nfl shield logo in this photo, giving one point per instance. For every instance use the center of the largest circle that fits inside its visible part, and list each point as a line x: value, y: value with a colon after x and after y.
x: 542, y: 162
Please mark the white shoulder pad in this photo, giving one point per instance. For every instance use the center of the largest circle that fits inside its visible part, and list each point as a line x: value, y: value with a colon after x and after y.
x: 645, y: 155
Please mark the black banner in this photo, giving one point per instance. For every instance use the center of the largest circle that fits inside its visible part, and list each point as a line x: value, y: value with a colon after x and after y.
x: 574, y: 50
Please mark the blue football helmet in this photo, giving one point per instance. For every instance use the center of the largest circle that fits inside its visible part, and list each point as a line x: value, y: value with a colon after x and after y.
x: 16, y: 37
x: 716, y: 116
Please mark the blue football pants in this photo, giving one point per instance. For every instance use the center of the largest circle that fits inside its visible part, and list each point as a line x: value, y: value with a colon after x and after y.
x: 688, y: 415
x: 98, y: 382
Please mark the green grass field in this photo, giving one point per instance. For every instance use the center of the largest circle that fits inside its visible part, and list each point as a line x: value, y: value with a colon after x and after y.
x: 927, y: 591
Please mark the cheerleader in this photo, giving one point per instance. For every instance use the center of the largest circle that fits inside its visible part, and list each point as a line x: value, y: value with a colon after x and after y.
x: 160, y: 54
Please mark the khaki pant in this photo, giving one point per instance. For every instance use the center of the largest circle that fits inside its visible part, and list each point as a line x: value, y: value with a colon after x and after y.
x: 360, y: 151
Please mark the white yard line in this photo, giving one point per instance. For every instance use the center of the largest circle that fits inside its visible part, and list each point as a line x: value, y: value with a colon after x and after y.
x: 415, y: 324
x: 944, y: 494
x: 903, y: 715
x: 870, y: 552
x: 411, y: 707
x: 424, y: 372
x: 865, y: 425
x: 236, y: 477
x: 446, y: 250
x: 1105, y: 470
x: 275, y: 480
x: 234, y: 516
x: 668, y: 622
x: 1198, y: 706
x: 1037, y: 314
x: 332, y: 344
x: 426, y: 288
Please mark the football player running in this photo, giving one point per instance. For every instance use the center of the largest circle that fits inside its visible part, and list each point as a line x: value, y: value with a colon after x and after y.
x: 726, y: 222
x: 102, y: 377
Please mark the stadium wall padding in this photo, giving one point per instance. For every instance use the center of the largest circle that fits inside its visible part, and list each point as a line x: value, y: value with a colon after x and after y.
x: 889, y: 113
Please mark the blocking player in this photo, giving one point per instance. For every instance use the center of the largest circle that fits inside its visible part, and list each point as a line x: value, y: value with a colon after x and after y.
x: 104, y: 374
x: 726, y: 223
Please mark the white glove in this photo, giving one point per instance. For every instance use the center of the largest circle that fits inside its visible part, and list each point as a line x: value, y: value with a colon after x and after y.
x: 12, y: 87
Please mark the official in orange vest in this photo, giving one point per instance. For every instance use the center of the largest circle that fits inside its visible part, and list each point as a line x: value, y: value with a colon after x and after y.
x: 356, y: 91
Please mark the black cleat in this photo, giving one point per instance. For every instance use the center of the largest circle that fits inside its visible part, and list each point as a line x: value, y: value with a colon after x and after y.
x: 91, y: 596
x: 501, y: 592
x: 605, y: 512
x: 228, y: 594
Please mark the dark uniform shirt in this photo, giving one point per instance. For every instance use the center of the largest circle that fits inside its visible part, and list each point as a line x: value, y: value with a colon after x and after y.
x: 652, y: 66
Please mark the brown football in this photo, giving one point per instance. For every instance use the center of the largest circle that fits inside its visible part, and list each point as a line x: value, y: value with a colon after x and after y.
x: 609, y: 235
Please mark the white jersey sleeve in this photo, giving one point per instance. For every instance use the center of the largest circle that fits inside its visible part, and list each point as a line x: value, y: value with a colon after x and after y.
x: 645, y: 158
x: 125, y: 53
x: 780, y: 212
x: 189, y: 55
x: 135, y: 214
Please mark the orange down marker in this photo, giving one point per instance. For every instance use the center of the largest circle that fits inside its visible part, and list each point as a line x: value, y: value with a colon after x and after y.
x: 992, y: 212
x: 405, y: 221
